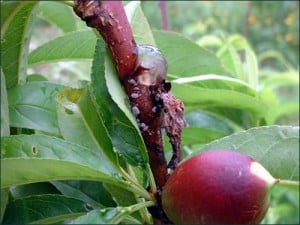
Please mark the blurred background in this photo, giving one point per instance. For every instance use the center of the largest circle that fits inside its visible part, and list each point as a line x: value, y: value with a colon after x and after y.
x: 270, y: 27
x: 267, y: 25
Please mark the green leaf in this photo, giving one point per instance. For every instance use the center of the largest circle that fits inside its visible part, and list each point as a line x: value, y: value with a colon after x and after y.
x: 4, y: 108
x: 210, y: 121
x: 75, y: 45
x: 280, y: 78
x: 140, y: 27
x: 43, y: 209
x: 36, y: 77
x: 35, y: 158
x: 238, y: 56
x: 33, y: 106
x: 4, y: 201
x: 213, y: 81
x: 79, y: 123
x: 15, y: 41
x: 90, y: 192
x: 231, y: 60
x: 104, y: 216
x: 196, y: 135
x: 275, y: 147
x: 121, y: 128
x: 199, y: 97
x: 110, y: 215
x: 186, y: 58
x: 79, y: 45
x: 122, y: 198
x: 58, y: 14
x: 8, y: 11
x: 26, y: 190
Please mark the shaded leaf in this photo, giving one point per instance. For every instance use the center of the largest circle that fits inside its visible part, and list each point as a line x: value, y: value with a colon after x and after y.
x: 123, y: 132
x: 58, y: 14
x: 4, y: 108
x: 275, y: 147
x: 33, y: 106
x: 15, y: 41
x: 41, y: 209
x: 207, y: 120
x: 79, y: 123
x: 8, y: 10
x: 75, y: 45
x: 26, y: 190
x: 4, y: 201
x: 90, y: 192
x: 122, y: 198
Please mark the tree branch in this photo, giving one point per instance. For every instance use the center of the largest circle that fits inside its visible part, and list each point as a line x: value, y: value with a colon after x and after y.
x: 109, y: 18
x: 142, y: 70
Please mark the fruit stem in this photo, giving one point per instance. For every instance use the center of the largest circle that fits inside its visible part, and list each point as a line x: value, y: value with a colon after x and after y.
x: 143, y: 212
x: 151, y: 179
x: 288, y: 183
x: 129, y: 210
x: 135, y: 185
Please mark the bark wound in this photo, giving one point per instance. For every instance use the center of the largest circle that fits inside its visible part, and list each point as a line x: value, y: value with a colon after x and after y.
x: 173, y: 123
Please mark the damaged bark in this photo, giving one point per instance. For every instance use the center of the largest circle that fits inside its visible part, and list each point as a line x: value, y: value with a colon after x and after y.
x: 142, y: 71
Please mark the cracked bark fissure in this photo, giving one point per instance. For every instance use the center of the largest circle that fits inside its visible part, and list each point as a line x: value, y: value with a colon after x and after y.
x: 148, y: 101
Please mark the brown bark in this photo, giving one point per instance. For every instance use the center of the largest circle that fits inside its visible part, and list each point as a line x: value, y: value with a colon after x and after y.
x: 109, y: 18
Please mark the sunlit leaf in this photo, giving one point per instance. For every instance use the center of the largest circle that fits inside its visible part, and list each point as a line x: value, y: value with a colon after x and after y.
x: 58, y: 14
x: 199, y: 97
x: 36, y: 158
x: 140, y: 27
x: 185, y: 58
x: 43, y: 209
x: 75, y: 45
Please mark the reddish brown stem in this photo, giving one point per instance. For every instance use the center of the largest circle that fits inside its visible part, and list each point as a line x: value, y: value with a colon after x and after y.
x: 164, y: 15
x: 109, y: 18
x: 149, y: 118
